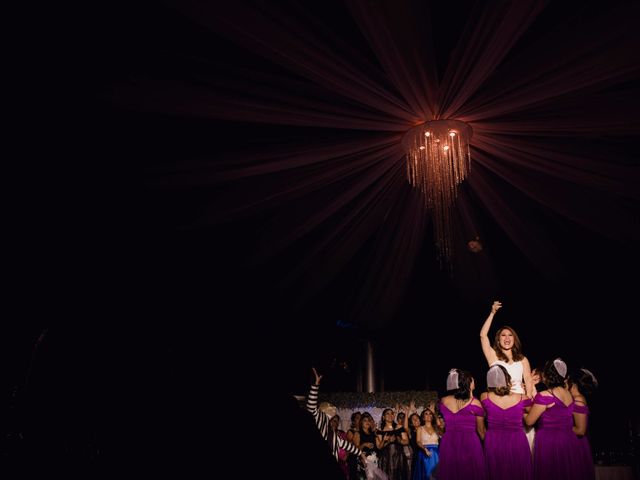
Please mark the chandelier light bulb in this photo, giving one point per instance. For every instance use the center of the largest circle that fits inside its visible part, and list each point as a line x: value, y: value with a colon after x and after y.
x: 437, y: 172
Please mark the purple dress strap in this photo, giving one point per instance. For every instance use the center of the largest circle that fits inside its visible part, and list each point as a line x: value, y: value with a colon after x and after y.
x: 581, y: 409
x: 476, y: 410
x: 544, y: 399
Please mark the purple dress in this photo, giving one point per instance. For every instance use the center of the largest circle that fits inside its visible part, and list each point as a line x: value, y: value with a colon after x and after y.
x: 584, y: 449
x: 461, y: 455
x: 506, y: 449
x: 555, y: 451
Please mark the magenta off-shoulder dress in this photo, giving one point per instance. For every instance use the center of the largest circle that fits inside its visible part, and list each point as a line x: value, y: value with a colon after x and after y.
x: 506, y: 448
x: 461, y: 455
x: 555, y: 451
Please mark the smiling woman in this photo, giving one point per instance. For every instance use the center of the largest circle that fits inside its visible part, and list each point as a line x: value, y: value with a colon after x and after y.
x: 507, y: 351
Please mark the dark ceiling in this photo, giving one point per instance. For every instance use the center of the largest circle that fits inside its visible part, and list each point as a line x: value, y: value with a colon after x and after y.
x: 273, y: 172
x: 275, y: 221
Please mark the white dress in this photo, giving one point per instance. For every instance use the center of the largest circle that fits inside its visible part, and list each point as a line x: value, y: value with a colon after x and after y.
x: 516, y: 372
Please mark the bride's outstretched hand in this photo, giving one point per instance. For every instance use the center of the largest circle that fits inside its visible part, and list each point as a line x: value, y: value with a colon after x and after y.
x: 496, y: 306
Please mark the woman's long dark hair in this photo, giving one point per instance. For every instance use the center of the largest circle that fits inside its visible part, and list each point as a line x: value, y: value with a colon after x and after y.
x: 464, y: 385
x: 551, y: 377
x: 583, y: 380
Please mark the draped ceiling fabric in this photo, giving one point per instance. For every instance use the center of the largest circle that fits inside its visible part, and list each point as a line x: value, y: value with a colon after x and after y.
x: 550, y: 89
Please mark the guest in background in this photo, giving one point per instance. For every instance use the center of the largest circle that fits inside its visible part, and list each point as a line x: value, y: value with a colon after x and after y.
x: 411, y: 425
x: 428, y: 449
x: 394, y: 437
x: 367, y: 441
x: 365, y: 438
x: 355, y: 425
x: 322, y: 418
x: 407, y: 450
x: 334, y: 424
x: 352, y: 460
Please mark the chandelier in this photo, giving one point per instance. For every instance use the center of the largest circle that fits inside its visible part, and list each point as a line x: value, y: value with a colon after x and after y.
x: 438, y: 158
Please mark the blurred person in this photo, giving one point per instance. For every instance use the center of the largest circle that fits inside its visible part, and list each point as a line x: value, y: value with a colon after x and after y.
x: 582, y: 383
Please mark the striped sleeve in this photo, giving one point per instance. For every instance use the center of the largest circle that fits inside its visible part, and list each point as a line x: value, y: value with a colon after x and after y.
x: 321, y: 419
x: 312, y: 400
x: 348, y: 446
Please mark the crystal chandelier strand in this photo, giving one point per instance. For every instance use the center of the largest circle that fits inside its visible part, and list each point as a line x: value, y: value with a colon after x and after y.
x: 438, y: 160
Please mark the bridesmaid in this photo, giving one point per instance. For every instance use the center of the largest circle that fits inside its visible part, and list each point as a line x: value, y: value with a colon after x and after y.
x: 506, y: 448
x: 555, y: 452
x: 581, y: 385
x: 461, y: 455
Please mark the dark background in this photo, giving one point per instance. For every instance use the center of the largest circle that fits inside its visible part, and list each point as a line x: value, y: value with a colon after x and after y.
x: 177, y: 341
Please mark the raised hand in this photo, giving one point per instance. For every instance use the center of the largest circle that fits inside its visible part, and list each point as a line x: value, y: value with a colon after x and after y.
x: 535, y: 376
x: 318, y: 377
x: 496, y: 306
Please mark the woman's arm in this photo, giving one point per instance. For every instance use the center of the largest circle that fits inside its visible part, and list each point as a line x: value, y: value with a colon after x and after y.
x: 534, y: 414
x: 406, y: 419
x: 348, y: 446
x: 579, y: 424
x: 312, y: 398
x: 480, y: 427
x: 535, y: 379
x: 380, y: 441
x: 528, y: 379
x: 579, y: 418
x: 420, y: 442
x: 488, y: 351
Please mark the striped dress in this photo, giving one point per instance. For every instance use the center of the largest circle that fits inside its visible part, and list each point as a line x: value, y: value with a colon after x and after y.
x: 322, y: 422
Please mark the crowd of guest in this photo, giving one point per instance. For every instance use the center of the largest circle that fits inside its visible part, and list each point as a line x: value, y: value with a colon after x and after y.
x: 527, y: 425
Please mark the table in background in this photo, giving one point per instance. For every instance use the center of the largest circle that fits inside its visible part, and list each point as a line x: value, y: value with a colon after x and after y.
x: 614, y: 472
